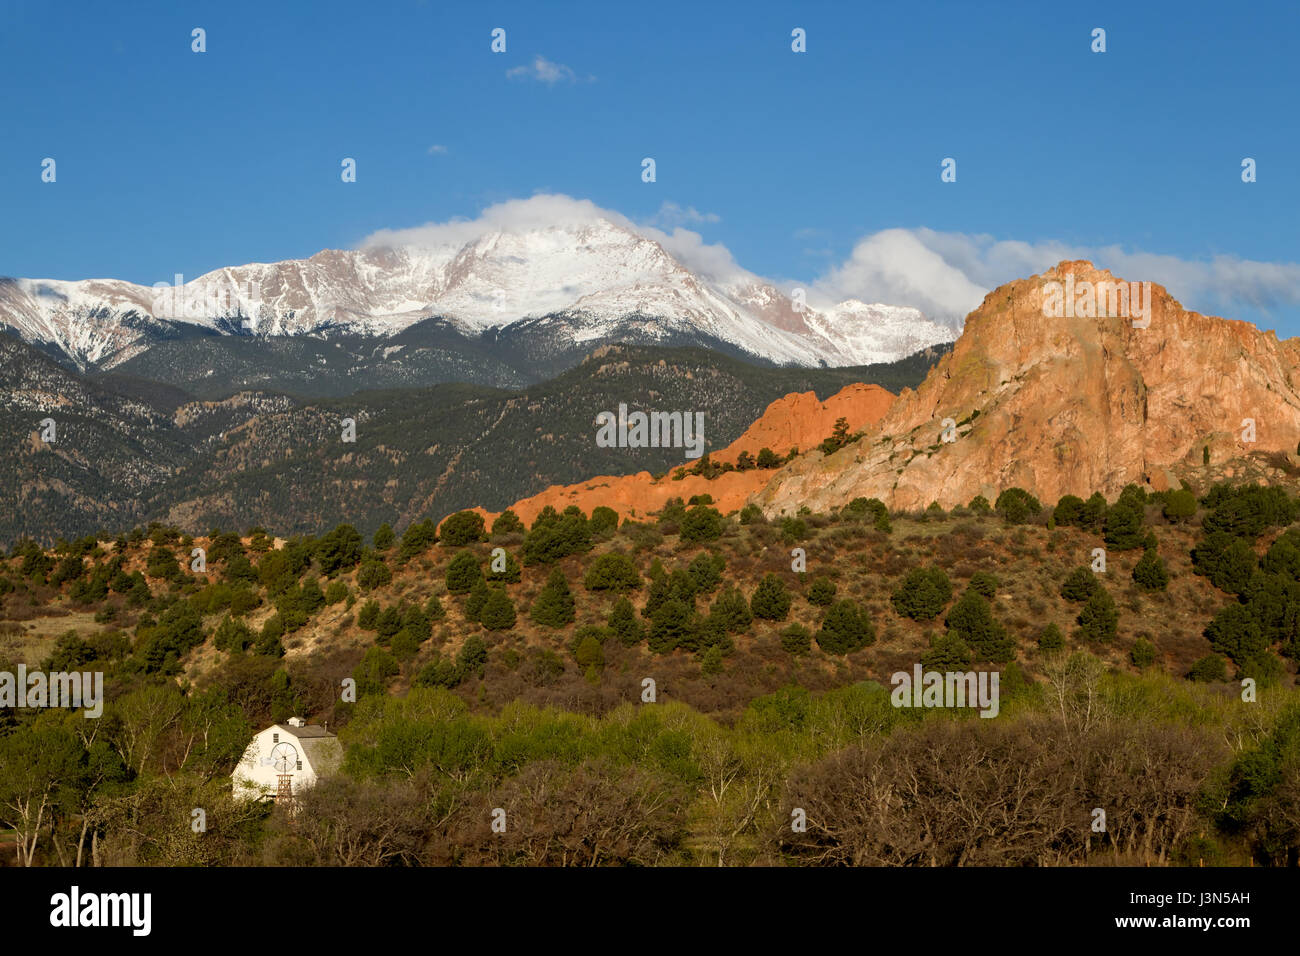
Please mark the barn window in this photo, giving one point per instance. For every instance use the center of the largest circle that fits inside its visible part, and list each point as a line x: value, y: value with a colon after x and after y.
x: 275, y: 738
x: 299, y: 764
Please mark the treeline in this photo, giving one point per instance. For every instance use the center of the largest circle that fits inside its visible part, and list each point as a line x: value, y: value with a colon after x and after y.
x: 1083, y: 766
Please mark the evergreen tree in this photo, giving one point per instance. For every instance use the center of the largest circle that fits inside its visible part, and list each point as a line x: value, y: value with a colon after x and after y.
x: 845, y: 629
x: 463, y: 573
x: 923, y: 594
x: 554, y: 605
x: 498, y: 612
x: 771, y: 600
x: 1150, y: 573
x: 1099, y: 618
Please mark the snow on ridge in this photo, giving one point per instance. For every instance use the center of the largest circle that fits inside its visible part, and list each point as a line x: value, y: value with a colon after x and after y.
x: 598, y: 269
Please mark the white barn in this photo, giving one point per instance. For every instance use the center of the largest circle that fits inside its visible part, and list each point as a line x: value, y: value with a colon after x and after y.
x: 285, y: 759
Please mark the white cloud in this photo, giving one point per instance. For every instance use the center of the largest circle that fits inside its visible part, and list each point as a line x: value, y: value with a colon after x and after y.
x: 947, y: 274
x: 671, y: 215
x: 544, y: 71
x: 514, y: 215
x: 437, y: 149
x: 944, y: 274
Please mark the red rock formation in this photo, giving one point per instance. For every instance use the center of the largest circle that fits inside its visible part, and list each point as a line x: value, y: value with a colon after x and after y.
x: 1064, y: 403
x: 797, y: 420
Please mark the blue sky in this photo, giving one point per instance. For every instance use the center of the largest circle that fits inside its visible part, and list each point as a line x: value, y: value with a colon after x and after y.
x: 172, y: 161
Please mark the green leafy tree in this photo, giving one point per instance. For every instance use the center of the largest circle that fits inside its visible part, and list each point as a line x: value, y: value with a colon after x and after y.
x: 339, y: 550
x: 554, y: 605
x: 821, y: 592
x: 845, y: 629
x: 384, y: 537
x: 604, y: 521
x: 624, y: 623
x: 613, y: 571
x: 1051, y: 639
x: 796, y: 639
x: 498, y: 613
x: 971, y: 620
x: 706, y: 570
x: 1099, y: 619
x: 463, y: 572
x: 771, y: 600
x: 1150, y: 572
x: 1017, y: 506
x: 985, y: 584
x: 701, y: 523
x: 923, y: 594
x: 732, y: 611
x: 947, y: 652
x: 1079, y: 585
x: 462, y: 528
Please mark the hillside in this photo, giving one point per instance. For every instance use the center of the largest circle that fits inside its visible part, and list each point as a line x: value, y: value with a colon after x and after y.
x: 746, y: 655
x: 131, y: 449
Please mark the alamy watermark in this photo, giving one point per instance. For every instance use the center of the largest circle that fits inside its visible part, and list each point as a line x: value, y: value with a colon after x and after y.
x: 651, y: 430
x: 183, y: 300
x: 946, y: 689
x: 1104, y: 299
x: 73, y: 690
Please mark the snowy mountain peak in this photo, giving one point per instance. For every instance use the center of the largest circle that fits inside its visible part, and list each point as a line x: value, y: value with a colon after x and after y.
x: 598, y: 272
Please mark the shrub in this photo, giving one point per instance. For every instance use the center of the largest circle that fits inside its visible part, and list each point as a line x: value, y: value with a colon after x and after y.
x: 339, y: 549
x: 384, y: 537
x: 624, y: 623
x: 923, y: 594
x: 1079, y: 585
x: 498, y: 612
x: 670, y: 626
x: 706, y: 570
x: 507, y: 523
x: 821, y: 592
x: 373, y: 574
x: 751, y: 514
x: 1099, y: 618
x: 604, y: 520
x: 971, y: 620
x: 947, y: 652
x: 1017, y: 506
x: 796, y: 639
x: 1235, y: 632
x: 701, y: 523
x: 1209, y: 669
x: 1051, y: 639
x: 461, y: 528
x: 503, y: 568
x: 732, y: 611
x: 614, y: 571
x: 771, y: 600
x: 1150, y: 572
x: 553, y: 538
x: 1143, y: 654
x: 554, y: 605
x: 1180, y: 506
x: 845, y: 628
x: 463, y: 573
x: 985, y: 584
x: 1123, y: 526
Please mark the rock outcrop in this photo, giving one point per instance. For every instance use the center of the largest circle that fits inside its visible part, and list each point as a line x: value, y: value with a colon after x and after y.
x: 1065, y: 400
x: 799, y: 420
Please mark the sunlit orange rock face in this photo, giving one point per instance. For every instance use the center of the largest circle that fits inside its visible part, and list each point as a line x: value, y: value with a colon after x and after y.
x: 798, y: 420
x: 1064, y: 402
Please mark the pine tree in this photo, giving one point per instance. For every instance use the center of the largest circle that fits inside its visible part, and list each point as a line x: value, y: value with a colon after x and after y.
x: 554, y: 605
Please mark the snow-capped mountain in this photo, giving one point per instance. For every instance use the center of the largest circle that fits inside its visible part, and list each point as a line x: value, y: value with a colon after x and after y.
x: 597, y: 274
